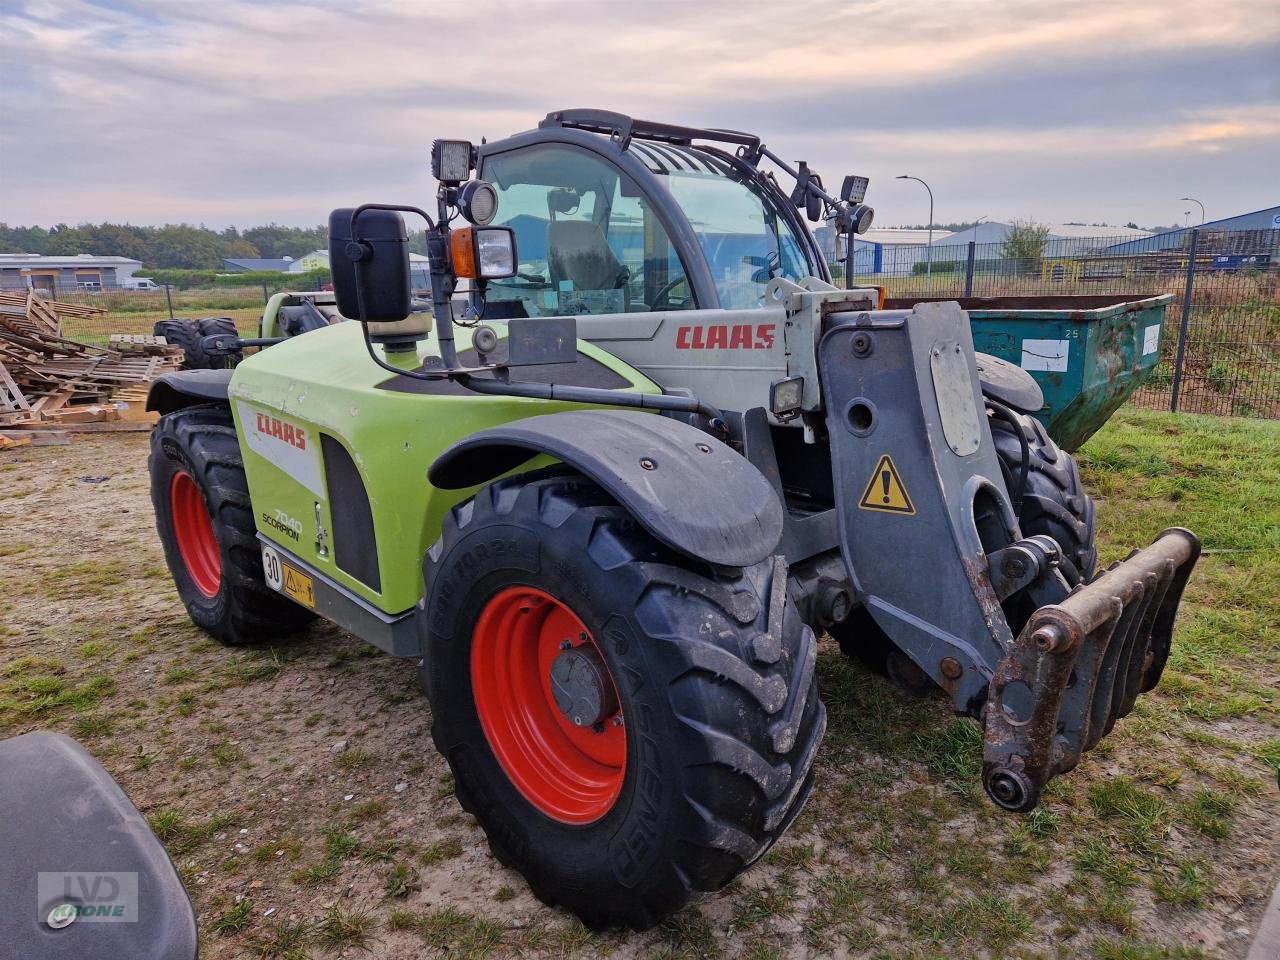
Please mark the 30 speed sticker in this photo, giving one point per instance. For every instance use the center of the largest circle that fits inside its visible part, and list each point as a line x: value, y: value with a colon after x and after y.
x: 272, y: 568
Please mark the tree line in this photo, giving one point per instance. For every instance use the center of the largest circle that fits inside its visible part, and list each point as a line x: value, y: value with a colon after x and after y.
x: 177, y: 245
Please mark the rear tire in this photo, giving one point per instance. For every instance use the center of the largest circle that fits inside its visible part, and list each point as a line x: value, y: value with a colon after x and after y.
x: 1053, y: 501
x: 205, y: 522
x: 720, y: 720
x: 190, y: 334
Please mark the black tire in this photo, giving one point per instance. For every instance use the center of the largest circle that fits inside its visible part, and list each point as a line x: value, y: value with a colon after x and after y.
x: 860, y: 638
x: 1053, y: 501
x: 723, y: 720
x: 200, y: 442
x: 190, y: 334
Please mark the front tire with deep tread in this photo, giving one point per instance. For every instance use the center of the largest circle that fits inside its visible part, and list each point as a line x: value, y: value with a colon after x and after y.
x: 722, y: 717
x: 201, y: 442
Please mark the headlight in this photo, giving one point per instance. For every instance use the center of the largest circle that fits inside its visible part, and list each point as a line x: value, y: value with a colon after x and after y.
x: 496, y: 252
x: 483, y: 253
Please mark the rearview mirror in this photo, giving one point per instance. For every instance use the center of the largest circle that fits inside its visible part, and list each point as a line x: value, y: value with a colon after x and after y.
x: 378, y: 289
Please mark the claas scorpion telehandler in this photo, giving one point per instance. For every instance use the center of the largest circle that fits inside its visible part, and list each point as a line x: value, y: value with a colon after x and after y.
x: 610, y: 489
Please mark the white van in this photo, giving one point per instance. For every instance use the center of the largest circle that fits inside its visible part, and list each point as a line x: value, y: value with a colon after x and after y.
x: 138, y: 283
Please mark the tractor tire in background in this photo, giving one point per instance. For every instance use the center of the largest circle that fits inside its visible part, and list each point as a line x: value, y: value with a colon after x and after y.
x: 1052, y: 501
x: 617, y: 717
x: 190, y: 334
x: 206, y: 527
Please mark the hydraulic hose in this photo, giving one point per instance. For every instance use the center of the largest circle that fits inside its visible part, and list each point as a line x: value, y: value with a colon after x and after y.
x: 612, y: 398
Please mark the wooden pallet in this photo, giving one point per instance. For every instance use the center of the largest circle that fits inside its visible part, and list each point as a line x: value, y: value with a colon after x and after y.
x: 47, y: 379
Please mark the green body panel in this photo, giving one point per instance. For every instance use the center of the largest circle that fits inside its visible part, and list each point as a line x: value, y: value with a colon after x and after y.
x: 1112, y: 350
x: 324, y: 382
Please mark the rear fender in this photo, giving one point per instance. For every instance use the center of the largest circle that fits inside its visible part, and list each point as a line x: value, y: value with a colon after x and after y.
x: 689, y: 490
x: 186, y: 388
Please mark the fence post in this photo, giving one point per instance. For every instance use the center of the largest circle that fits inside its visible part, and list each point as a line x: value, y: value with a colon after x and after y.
x: 1185, y: 321
x: 968, y: 270
x: 265, y: 296
x: 169, y: 298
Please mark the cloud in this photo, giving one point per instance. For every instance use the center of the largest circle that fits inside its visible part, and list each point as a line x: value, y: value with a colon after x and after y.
x: 246, y: 112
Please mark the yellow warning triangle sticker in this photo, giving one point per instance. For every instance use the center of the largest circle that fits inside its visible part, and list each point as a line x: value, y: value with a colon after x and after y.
x: 886, y: 491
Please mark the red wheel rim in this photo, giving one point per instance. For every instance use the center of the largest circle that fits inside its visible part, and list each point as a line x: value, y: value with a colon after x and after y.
x: 572, y: 774
x: 193, y: 529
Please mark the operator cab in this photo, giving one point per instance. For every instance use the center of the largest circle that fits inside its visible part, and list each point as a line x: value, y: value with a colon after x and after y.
x: 656, y: 226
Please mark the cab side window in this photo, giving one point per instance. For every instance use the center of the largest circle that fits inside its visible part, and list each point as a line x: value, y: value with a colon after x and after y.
x: 587, y: 241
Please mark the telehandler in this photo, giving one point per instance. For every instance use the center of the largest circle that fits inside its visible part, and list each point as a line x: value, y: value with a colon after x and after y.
x: 610, y: 489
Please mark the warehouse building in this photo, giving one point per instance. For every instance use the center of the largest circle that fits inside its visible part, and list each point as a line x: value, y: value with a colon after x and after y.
x: 21, y: 271
x: 1247, y: 234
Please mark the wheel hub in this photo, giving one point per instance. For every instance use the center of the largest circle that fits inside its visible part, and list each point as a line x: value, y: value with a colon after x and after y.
x: 581, y: 686
x: 549, y: 709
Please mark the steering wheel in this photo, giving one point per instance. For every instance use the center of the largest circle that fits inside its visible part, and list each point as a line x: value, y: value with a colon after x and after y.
x: 661, y: 301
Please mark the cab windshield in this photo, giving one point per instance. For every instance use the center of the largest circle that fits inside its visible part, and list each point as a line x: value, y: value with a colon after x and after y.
x: 744, y: 239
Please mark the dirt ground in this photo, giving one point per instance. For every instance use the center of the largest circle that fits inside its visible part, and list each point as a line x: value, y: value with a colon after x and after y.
x: 299, y: 794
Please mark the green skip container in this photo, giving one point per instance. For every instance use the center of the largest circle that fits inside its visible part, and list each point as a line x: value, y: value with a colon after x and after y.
x: 1088, y: 353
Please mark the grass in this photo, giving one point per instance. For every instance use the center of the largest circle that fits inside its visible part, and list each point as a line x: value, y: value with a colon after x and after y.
x: 450, y: 931
x: 401, y: 880
x: 234, y: 919
x: 180, y: 834
x: 282, y: 940
x: 345, y: 929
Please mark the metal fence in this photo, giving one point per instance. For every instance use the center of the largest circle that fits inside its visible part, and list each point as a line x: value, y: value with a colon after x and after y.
x: 1220, y: 350
x: 1221, y: 346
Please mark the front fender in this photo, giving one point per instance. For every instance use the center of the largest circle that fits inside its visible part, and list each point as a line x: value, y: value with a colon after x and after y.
x: 689, y: 490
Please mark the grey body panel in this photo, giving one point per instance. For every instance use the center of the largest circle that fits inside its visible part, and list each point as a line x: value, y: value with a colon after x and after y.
x: 173, y: 391
x: 395, y: 634
x: 728, y: 357
x: 64, y: 814
x: 690, y: 491
x: 942, y: 606
x: 672, y: 348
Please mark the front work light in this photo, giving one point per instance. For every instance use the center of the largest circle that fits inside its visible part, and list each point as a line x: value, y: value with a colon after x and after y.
x: 451, y: 160
x: 862, y: 217
x: 478, y: 202
x: 854, y: 189
x: 785, y: 397
x: 483, y: 253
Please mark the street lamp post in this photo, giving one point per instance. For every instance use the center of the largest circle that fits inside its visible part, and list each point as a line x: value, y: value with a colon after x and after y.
x: 1201, y: 205
x: 929, y: 253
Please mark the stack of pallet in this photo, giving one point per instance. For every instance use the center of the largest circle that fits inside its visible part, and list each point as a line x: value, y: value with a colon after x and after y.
x: 47, y: 380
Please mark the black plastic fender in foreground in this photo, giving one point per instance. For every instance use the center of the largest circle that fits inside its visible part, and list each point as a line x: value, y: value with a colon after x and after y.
x: 67, y: 819
x: 173, y: 391
x: 686, y: 488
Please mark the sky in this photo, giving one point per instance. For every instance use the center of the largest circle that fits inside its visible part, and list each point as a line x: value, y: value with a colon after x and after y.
x: 236, y: 112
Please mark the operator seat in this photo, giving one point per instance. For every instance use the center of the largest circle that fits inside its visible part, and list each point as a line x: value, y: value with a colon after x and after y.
x: 578, y: 251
